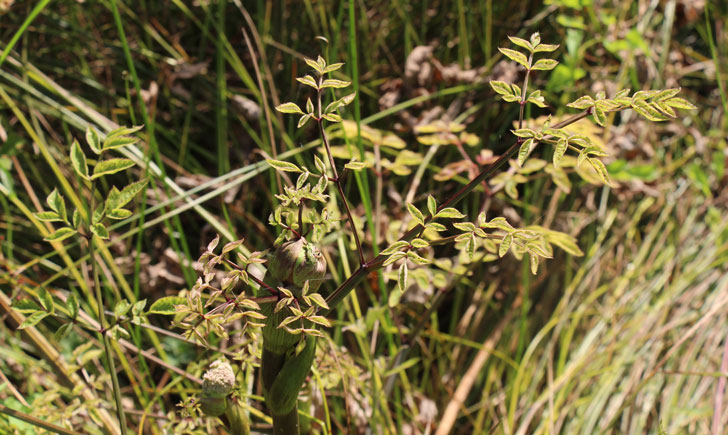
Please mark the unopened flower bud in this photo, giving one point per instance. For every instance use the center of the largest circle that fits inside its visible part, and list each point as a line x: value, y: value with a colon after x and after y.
x: 296, y: 262
x: 217, y: 383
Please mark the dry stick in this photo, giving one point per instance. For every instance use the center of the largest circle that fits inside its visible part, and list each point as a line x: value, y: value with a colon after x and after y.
x: 466, y: 384
x: 347, y: 286
x: 720, y: 392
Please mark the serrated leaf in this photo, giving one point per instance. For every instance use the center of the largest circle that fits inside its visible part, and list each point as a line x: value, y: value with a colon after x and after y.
x: 308, y: 81
x: 395, y: 247
x: 393, y: 258
x: 599, y: 116
x: 334, y: 83
x: 534, y: 263
x: 505, y: 245
x: 331, y: 117
x: 313, y: 64
x: 419, y: 243
x: 284, y: 166
x: 166, y: 305
x: 56, y: 202
x: 402, y: 277
x: 100, y: 231
x: 415, y: 213
x: 33, y: 319
x: 72, y: 305
x: 119, y: 142
x: 431, y: 205
x: 559, y: 151
x: 355, y: 166
x: 62, y: 331
x: 60, y: 234
x: 515, y: 56
x: 303, y: 120
x: 126, y: 195
x: 111, y: 166
x: 470, y: 246
x: 501, y: 88
x: 435, y: 226
x: 545, y: 48
x: 333, y: 67
x: 319, y: 300
x: 524, y: 150
x: 449, y: 213
x: 544, y: 65
x: 78, y: 161
x: 521, y: 42
x: 319, y: 165
x: 46, y: 300
x: 93, y: 140
x: 394, y: 297
x: 417, y: 259
x: 582, y: 102
x: 598, y: 166
x: 118, y: 213
x: 524, y: 132
x: 319, y: 320
x: 121, y: 308
x: 680, y: 103
x: 48, y: 216
x: 289, y: 108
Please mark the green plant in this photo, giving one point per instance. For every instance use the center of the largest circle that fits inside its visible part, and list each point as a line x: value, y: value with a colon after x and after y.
x: 288, y: 293
x: 89, y: 221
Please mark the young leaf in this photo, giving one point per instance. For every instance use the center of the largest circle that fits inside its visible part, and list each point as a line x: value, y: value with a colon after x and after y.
x: 524, y: 150
x: 121, y: 308
x: 355, y: 166
x: 46, y: 300
x: 431, y: 205
x: 93, y: 140
x: 449, y: 213
x: 78, y: 160
x: 62, y: 331
x: 415, y: 213
x: 331, y: 117
x: 515, y: 56
x: 289, y: 108
x: 534, y: 263
x: 680, y: 103
x: 111, y: 166
x: 470, y: 246
x: 545, y: 48
x: 166, y: 305
x: 60, y: 234
x: 56, y: 203
x: 395, y: 247
x: 545, y: 65
x: 402, y: 277
x: 72, y: 306
x: 128, y: 193
x: 284, y: 166
x: 100, y: 231
x: 123, y: 131
x: 309, y: 106
x: 599, y: 116
x: 584, y: 102
x: 521, y: 43
x: 315, y: 65
x: 118, y: 213
x: 119, y: 142
x: 303, y: 120
x: 33, y: 319
x: 333, y: 67
x: 505, y: 245
x: 48, y: 216
x: 334, y: 83
x: 308, y: 81
x: 601, y: 170
x: 501, y: 88
x: 559, y: 152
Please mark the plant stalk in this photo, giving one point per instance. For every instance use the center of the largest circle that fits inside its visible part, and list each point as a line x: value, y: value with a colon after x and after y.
x: 102, y: 315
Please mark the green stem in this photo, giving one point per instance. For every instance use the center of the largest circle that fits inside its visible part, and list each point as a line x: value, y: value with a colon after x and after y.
x: 102, y: 316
